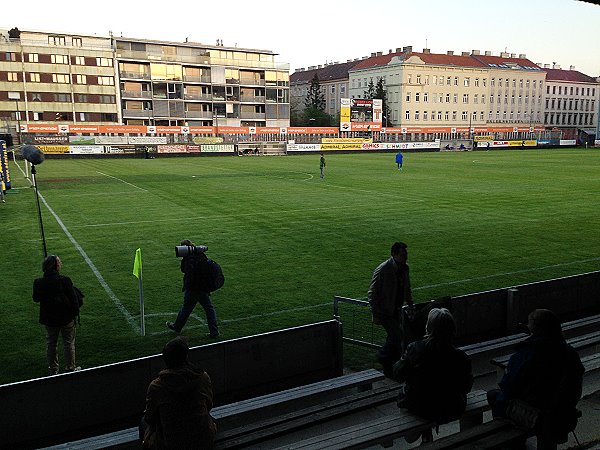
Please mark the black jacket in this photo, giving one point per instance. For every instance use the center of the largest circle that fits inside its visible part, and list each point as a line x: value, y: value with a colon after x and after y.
x: 438, y: 378
x: 58, y: 304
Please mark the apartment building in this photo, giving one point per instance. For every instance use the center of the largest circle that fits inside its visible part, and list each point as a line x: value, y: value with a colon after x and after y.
x: 166, y: 83
x: 53, y: 77
x: 572, y: 102
x: 333, y: 79
x: 100, y: 80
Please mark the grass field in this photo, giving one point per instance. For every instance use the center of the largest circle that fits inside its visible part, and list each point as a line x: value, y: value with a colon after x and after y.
x: 287, y: 241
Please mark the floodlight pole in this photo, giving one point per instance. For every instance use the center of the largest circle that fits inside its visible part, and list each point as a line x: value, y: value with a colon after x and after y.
x: 37, y: 198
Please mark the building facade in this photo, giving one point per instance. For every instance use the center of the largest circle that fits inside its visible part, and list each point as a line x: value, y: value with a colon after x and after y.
x: 572, y: 102
x: 79, y: 79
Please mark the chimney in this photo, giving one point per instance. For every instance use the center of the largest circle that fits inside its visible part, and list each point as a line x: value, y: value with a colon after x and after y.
x: 407, y: 49
x: 513, y: 55
x: 558, y: 66
x: 488, y: 53
x: 398, y: 49
x: 465, y: 54
x: 390, y: 51
x: 503, y: 55
x: 426, y: 51
x: 379, y: 53
x: 373, y: 54
x: 312, y: 67
x: 546, y: 66
x: 319, y: 66
x: 301, y: 69
x: 522, y: 55
x: 571, y: 67
x: 475, y: 52
x: 450, y: 52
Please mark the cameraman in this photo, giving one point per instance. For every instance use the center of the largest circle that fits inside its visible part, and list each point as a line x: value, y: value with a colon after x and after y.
x: 194, y: 266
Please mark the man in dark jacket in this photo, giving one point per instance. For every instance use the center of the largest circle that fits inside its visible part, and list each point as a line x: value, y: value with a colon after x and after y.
x: 58, y: 309
x: 195, y: 269
x: 546, y: 373
x: 437, y: 375
x: 178, y: 404
x: 389, y: 290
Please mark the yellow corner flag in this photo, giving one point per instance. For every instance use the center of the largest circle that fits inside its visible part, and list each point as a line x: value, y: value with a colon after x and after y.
x: 137, y: 263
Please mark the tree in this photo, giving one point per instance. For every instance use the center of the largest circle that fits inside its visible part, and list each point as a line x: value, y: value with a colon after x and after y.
x: 315, y: 98
x: 381, y: 93
x: 370, y: 92
x: 314, y: 117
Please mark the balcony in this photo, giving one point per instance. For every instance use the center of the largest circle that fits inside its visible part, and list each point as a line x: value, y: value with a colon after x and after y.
x: 136, y: 94
x: 145, y: 56
x: 134, y: 75
x: 205, y: 97
x: 252, y: 115
x: 252, y: 98
x: 190, y: 79
x: 199, y: 115
x: 137, y: 113
x: 251, y: 82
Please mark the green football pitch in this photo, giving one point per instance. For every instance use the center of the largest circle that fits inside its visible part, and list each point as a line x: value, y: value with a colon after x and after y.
x: 287, y: 240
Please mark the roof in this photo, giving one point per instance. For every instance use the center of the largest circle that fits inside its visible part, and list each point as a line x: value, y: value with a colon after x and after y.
x: 501, y: 62
x: 329, y: 72
x: 568, y: 75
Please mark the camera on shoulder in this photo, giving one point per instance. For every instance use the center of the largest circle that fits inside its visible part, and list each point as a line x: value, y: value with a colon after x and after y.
x: 186, y: 250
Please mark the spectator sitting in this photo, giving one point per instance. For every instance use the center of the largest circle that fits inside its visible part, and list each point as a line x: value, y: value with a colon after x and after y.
x: 437, y: 375
x: 546, y: 373
x: 178, y: 404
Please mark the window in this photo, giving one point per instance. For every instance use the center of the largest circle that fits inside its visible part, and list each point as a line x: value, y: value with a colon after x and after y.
x: 490, y: 116
x: 466, y: 82
x: 80, y: 60
x: 492, y: 98
x: 571, y: 94
x: 62, y: 98
x: 432, y: 115
x: 481, y: 116
x: 464, y: 115
x: 408, y: 96
x: 482, y: 99
x: 60, y: 78
x: 484, y: 82
x: 425, y: 117
x: 417, y: 97
x: 426, y: 97
x: 76, y: 42
x: 426, y: 79
x: 440, y: 115
x: 455, y: 98
x: 409, y: 78
x: 476, y: 82
x: 512, y: 99
x: 418, y: 79
x: 465, y: 98
x: 554, y: 89
x: 82, y: 117
x: 107, y: 99
x: 493, y: 82
x: 441, y: 80
x: 447, y: 98
x: 453, y: 115
x: 13, y: 76
x: 475, y: 98
x: 447, y: 116
x: 576, y: 91
x: 106, y: 81
x: 449, y: 81
x: 36, y: 116
x: 455, y: 81
x: 407, y: 115
x: 80, y: 79
x: 32, y: 57
x: 10, y: 56
x: 333, y: 89
x: 34, y: 77
x: 521, y: 83
x: 57, y: 40
x: 416, y: 115
x: 59, y: 59
x: 36, y: 97
x: 499, y: 82
x: 526, y: 84
x: 104, y: 62
x: 82, y: 98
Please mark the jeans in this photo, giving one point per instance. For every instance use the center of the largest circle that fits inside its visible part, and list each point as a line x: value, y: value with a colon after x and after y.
x: 190, y: 298
x: 68, y: 336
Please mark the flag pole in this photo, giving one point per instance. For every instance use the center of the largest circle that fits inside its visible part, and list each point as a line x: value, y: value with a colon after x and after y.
x: 138, y: 272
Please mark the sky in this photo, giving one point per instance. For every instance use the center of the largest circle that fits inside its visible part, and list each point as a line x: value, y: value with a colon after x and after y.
x: 310, y: 33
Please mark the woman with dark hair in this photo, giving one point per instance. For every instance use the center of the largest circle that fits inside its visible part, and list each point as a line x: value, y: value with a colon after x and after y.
x: 437, y: 375
x: 544, y: 373
x: 58, y: 309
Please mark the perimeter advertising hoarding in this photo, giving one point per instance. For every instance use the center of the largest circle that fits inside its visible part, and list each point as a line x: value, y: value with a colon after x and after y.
x: 4, y: 166
x: 87, y: 149
x: 364, y: 146
x: 357, y: 114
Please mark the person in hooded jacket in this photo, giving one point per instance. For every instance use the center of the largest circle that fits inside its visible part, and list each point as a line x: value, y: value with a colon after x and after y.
x: 178, y: 404
x: 545, y: 373
x: 59, y: 308
x: 437, y: 375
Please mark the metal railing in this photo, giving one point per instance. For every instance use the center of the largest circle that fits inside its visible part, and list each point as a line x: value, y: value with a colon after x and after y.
x: 348, y: 328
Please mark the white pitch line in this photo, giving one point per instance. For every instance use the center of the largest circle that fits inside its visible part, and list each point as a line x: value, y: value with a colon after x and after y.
x: 122, y: 181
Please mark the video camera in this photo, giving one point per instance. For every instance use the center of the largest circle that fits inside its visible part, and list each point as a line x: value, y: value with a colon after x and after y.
x: 186, y: 250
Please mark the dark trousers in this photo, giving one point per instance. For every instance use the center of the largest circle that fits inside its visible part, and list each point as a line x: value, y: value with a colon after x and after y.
x: 392, y: 349
x: 190, y: 298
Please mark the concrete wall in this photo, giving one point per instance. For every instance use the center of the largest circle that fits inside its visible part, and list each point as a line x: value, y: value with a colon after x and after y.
x: 72, y: 405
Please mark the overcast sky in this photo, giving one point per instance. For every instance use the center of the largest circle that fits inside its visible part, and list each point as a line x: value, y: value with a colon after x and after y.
x: 310, y: 32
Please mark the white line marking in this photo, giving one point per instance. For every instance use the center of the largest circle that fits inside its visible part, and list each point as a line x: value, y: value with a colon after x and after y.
x: 122, y: 181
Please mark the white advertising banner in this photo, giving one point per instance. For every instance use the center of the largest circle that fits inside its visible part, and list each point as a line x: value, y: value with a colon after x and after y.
x: 568, y: 142
x: 108, y: 140
x: 147, y: 139
x: 86, y: 149
x: 228, y: 148
x: 303, y: 147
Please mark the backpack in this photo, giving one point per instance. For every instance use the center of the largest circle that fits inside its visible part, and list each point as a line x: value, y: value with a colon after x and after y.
x: 205, y: 274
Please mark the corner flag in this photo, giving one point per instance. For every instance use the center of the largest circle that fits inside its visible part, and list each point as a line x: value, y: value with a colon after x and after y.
x: 137, y: 271
x: 137, y: 263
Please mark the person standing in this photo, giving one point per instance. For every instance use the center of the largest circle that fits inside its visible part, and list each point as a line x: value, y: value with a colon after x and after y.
x: 194, y: 267
x: 389, y: 290
x: 58, y: 309
x: 178, y: 404
x: 322, y: 165
x: 437, y: 376
x: 399, y: 159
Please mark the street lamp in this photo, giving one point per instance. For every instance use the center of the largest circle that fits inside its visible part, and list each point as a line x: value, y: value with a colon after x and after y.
x: 16, y: 96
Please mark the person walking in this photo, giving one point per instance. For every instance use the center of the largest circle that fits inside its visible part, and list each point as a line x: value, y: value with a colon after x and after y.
x: 399, y: 158
x: 389, y: 290
x: 178, y: 404
x: 194, y: 267
x: 59, y: 308
x: 322, y: 165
